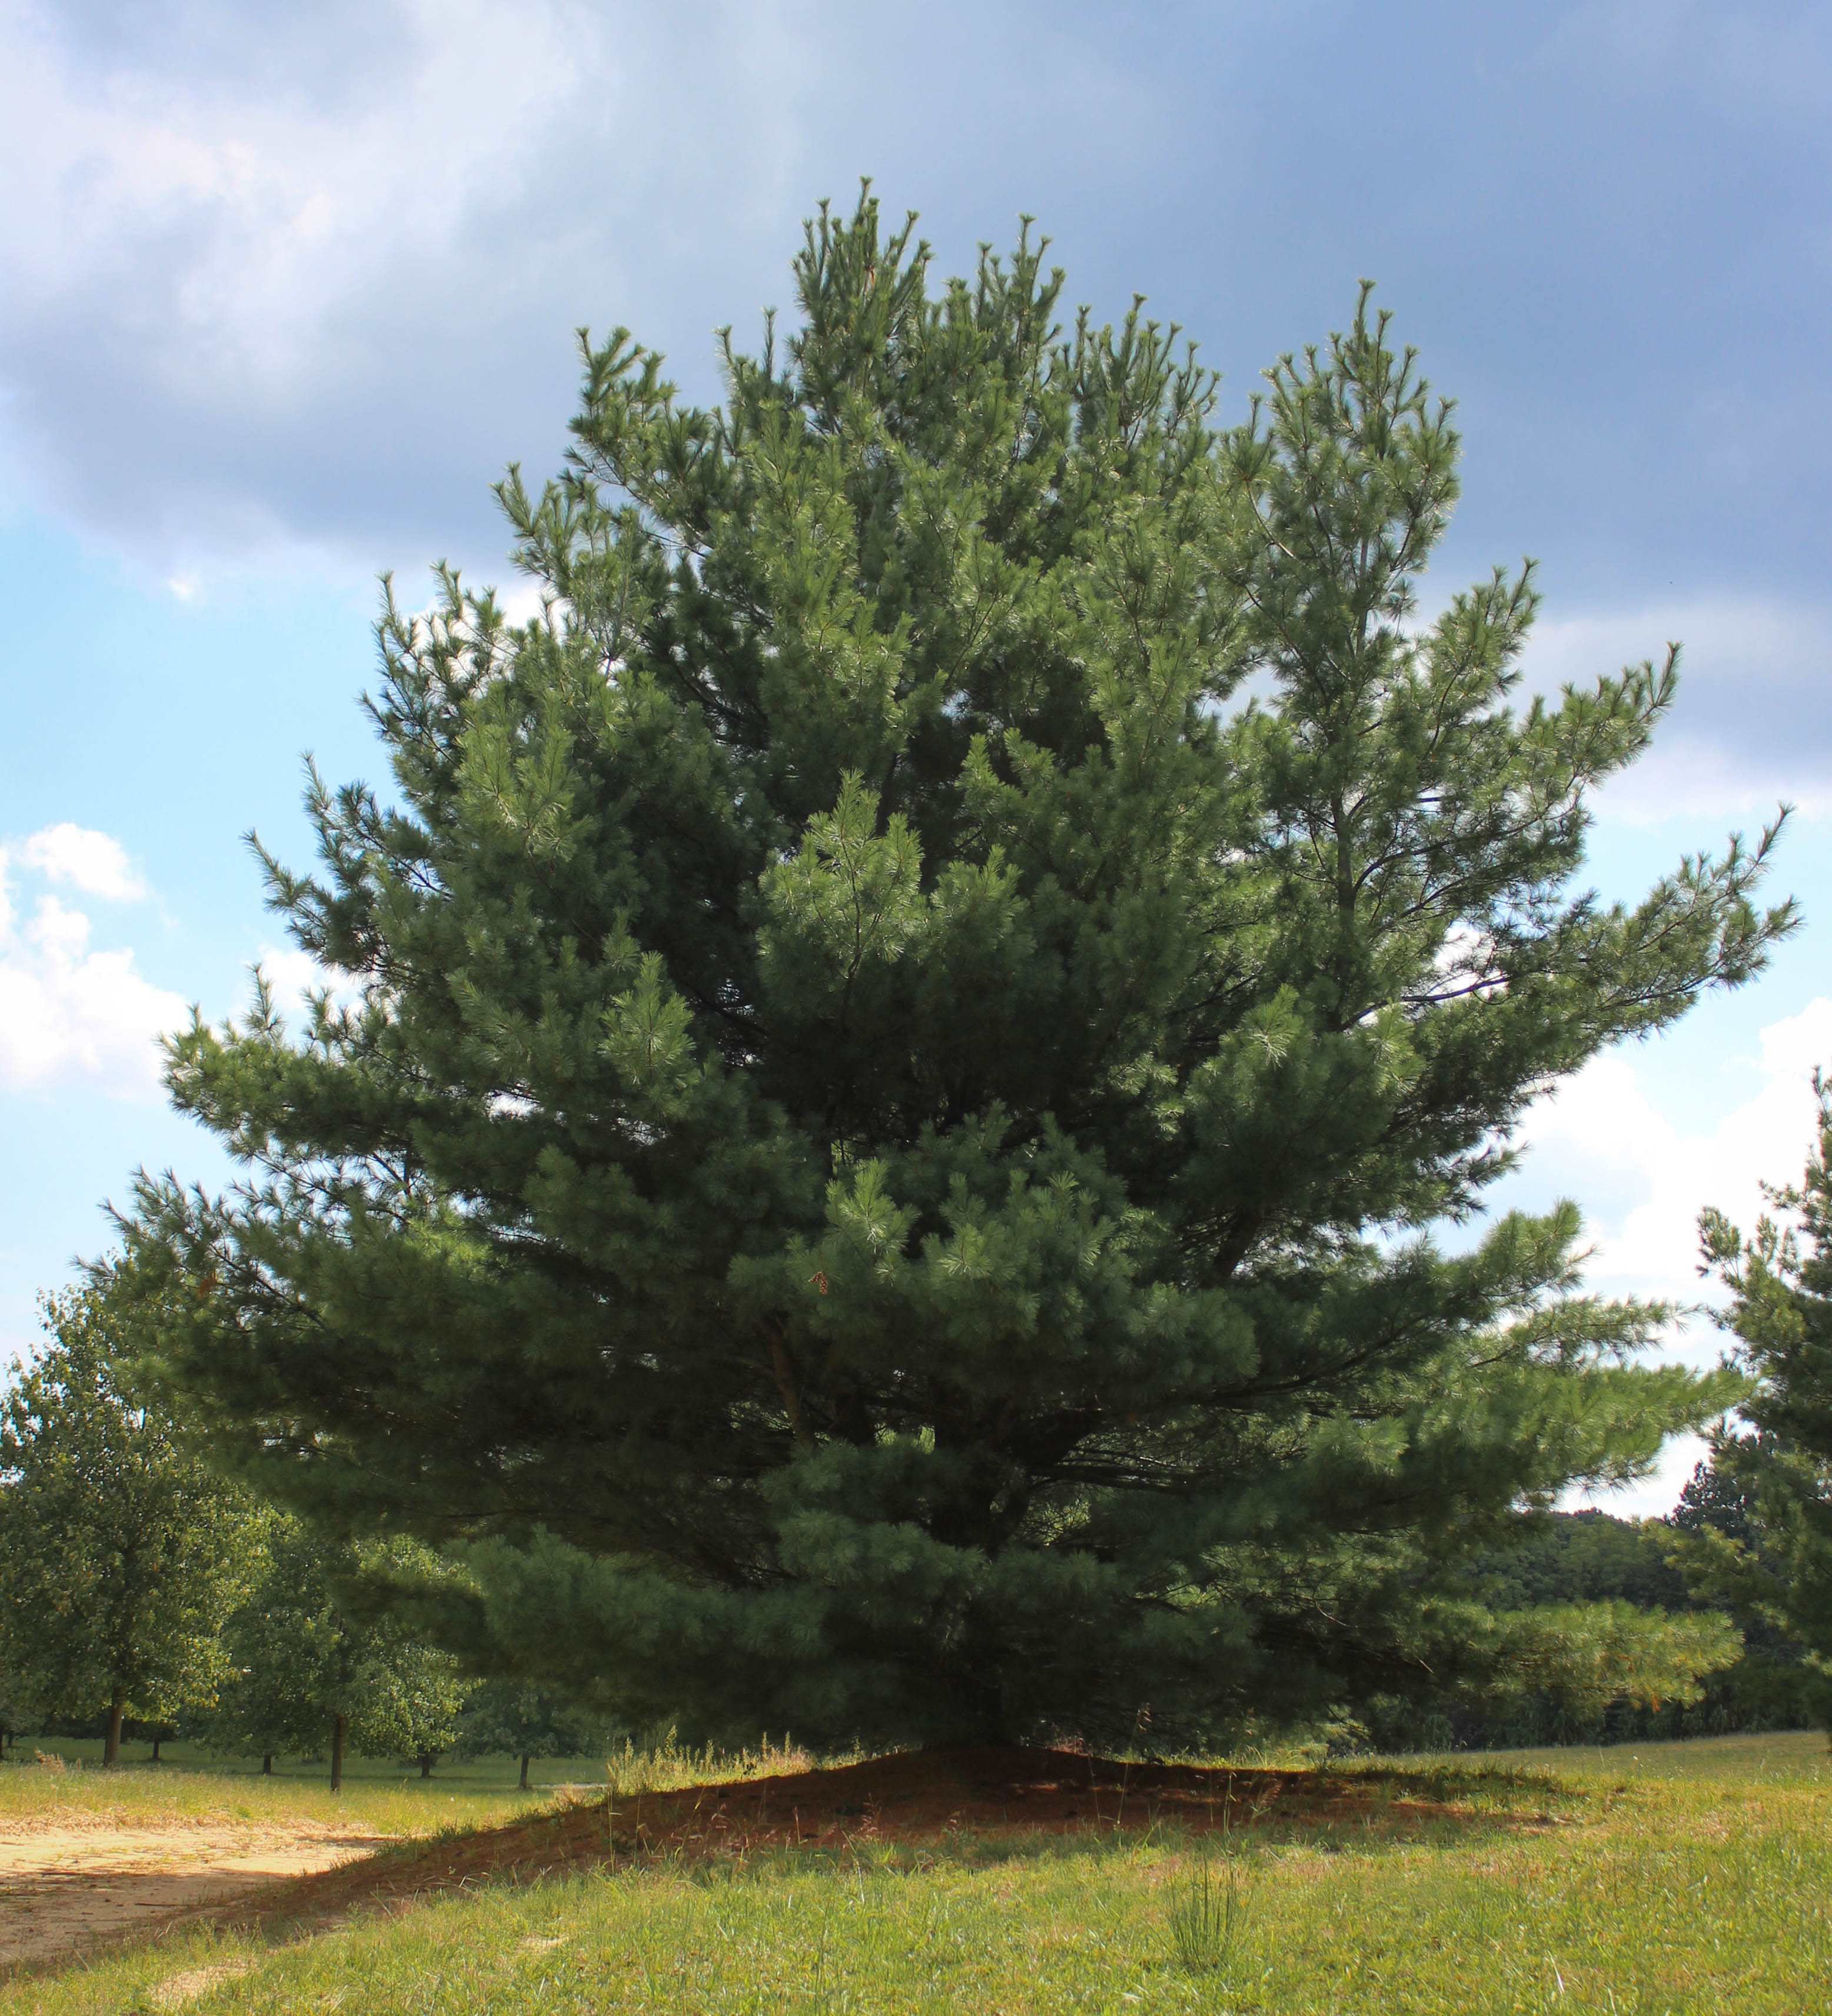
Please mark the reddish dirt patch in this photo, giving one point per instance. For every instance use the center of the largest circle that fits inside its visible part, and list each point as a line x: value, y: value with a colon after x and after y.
x: 927, y: 1800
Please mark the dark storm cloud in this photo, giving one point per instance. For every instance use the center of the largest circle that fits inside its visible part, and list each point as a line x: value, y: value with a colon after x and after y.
x: 308, y: 277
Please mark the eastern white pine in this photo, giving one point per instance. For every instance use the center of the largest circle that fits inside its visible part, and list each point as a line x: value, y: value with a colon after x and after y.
x: 881, y: 1178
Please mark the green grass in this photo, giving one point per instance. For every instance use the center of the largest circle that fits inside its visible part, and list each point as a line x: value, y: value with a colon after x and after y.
x: 189, y: 1786
x: 193, y: 1785
x: 1682, y: 1877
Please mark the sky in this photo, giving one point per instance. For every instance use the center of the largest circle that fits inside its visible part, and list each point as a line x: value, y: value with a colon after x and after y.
x: 283, y: 291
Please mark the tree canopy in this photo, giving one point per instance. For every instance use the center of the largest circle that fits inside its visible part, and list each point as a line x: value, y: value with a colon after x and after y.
x: 911, y: 1033
x: 508, y: 1718
x: 315, y: 1661
x: 121, y: 1548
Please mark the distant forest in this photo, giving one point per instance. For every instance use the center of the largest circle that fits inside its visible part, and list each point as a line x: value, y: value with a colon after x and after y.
x: 1591, y: 1557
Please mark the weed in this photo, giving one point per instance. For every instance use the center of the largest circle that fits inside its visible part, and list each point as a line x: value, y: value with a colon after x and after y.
x: 1208, y: 1918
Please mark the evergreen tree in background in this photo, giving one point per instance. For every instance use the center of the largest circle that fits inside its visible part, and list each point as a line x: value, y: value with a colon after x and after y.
x: 311, y: 1669
x: 120, y: 1550
x: 1767, y: 1553
x: 1767, y: 1687
x: 880, y: 1179
x: 1713, y: 1500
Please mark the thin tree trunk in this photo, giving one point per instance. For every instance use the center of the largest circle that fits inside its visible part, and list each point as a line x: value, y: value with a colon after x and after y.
x: 425, y: 1764
x: 337, y: 1728
x: 111, y: 1746
x: 267, y: 1764
x: 524, y: 1784
x: 156, y: 1741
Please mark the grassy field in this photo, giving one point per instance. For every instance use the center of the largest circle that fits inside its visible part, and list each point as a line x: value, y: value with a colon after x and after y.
x: 1683, y: 1878
x: 188, y: 1785
x: 191, y: 1785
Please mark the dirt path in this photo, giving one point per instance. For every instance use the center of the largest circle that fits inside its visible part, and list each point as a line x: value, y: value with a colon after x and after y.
x: 65, y: 1887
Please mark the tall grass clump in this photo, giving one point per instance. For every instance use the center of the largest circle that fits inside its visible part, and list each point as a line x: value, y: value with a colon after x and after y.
x: 1208, y: 1918
x: 669, y: 1765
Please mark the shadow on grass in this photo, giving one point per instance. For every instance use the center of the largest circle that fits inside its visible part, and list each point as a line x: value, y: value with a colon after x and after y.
x: 965, y: 1808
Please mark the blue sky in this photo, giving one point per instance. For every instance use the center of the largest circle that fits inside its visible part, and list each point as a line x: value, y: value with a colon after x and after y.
x: 284, y: 290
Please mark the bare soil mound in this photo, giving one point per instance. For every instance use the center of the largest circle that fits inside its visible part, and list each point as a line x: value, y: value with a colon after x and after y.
x: 926, y: 1800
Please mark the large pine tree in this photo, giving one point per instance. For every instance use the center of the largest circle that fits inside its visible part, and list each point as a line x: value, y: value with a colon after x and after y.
x: 912, y: 1030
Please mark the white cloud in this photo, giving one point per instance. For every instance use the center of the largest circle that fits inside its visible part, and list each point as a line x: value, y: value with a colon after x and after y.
x: 1643, y: 1178
x: 90, y: 861
x: 293, y: 975
x: 69, y: 1013
x: 270, y: 277
x: 1750, y: 726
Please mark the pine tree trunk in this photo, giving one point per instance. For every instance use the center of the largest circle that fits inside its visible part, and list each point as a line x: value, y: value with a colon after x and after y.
x: 267, y: 1764
x: 337, y: 1728
x: 425, y: 1764
x: 524, y: 1783
x: 111, y: 1745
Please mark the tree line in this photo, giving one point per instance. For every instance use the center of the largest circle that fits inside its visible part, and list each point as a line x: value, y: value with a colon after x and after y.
x: 138, y: 1584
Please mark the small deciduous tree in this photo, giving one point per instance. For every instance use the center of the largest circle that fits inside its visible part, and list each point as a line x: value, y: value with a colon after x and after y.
x: 508, y: 1718
x: 120, y: 1549
x: 1769, y: 1553
x: 312, y: 1666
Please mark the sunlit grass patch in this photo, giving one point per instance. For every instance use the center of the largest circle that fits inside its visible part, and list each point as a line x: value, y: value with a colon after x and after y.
x: 669, y: 1765
x: 1678, y: 1878
x: 397, y: 1805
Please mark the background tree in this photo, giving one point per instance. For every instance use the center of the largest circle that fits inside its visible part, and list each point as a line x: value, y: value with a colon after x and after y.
x: 1765, y: 1689
x: 880, y: 1180
x: 1605, y: 1642
x: 1768, y: 1552
x: 279, y: 1650
x: 407, y: 1697
x: 315, y: 1662
x: 508, y: 1718
x: 17, y: 1713
x: 118, y: 1547
x: 1712, y: 1500
x: 1560, y: 1558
